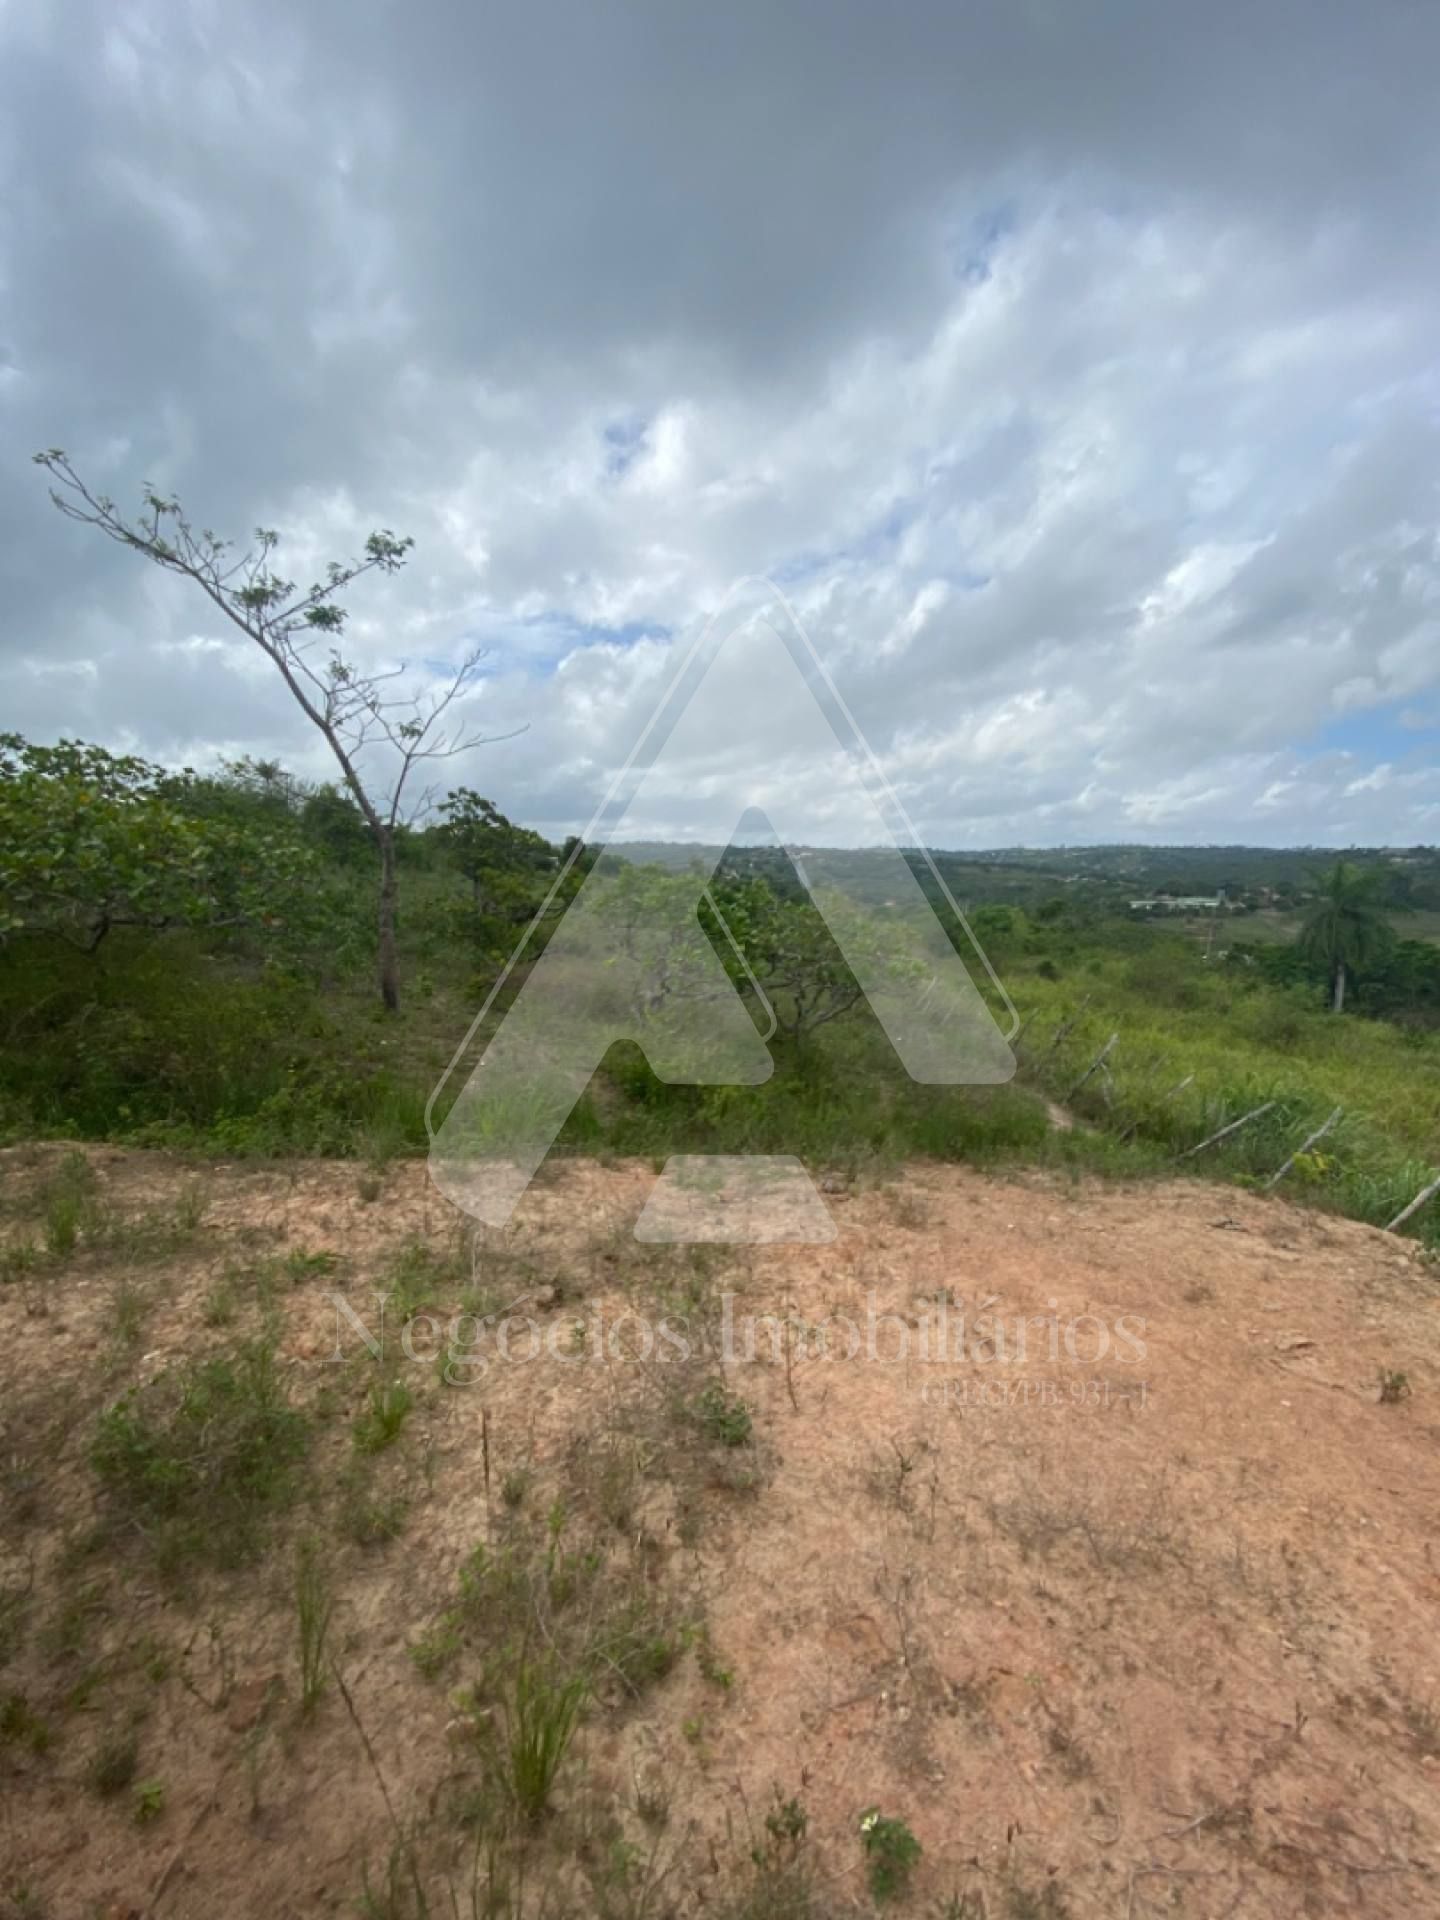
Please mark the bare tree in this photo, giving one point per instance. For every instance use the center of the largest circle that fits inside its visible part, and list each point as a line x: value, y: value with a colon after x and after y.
x: 351, y: 708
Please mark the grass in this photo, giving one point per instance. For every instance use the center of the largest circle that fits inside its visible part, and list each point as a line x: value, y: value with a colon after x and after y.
x: 314, y: 1606
x: 68, y: 1204
x: 379, y: 1426
x: 541, y: 1715
x: 114, y: 1763
x: 198, y: 1460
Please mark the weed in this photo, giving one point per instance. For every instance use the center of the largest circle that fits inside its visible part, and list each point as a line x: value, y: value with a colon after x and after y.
x: 787, y: 1822
x: 18, y: 1260
x: 542, y: 1716
x: 891, y: 1852
x: 149, y: 1801
x: 402, y: 1894
x: 113, y: 1763
x: 437, y: 1646
x: 722, y: 1417
x: 1394, y: 1387
x: 314, y: 1605
x: 68, y: 1201
x: 781, y: 1884
x: 710, y: 1667
x: 419, y: 1276
x: 379, y: 1425
x: 515, y: 1486
x: 198, y: 1458
x: 368, y: 1188
x: 300, y: 1264
x: 889, y: 1479
x: 131, y: 1305
x: 1023, y: 1903
x: 218, y: 1307
x: 365, y: 1516
x: 20, y: 1723
x: 191, y: 1208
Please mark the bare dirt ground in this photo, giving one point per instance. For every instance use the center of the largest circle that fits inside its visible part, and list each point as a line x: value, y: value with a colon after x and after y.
x: 1142, y: 1620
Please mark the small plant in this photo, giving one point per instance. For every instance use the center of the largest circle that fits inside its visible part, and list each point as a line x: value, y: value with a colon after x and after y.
x: 379, y: 1426
x: 149, y: 1801
x: 787, y: 1822
x: 20, y: 1723
x: 314, y: 1605
x: 542, y: 1719
x: 19, y: 1259
x: 218, y: 1306
x: 710, y: 1666
x: 1394, y: 1387
x: 891, y: 1851
x: 132, y: 1304
x: 515, y: 1486
x: 367, y: 1188
x: 113, y: 1763
x: 68, y: 1198
x: 191, y: 1208
x: 723, y: 1417
x: 202, y: 1454
x: 781, y: 1886
x: 300, y: 1265
x: 437, y: 1646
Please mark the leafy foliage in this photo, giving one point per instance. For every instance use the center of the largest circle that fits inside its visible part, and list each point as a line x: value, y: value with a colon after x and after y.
x: 91, y: 841
x: 1346, y: 929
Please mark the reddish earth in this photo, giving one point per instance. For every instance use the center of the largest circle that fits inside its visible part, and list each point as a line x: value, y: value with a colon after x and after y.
x: 1152, y: 1629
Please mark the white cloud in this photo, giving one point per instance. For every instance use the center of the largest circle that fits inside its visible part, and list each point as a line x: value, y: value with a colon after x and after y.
x: 1099, y: 461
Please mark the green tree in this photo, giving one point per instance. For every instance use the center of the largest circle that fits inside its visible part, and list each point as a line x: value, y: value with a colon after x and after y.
x: 790, y: 951
x: 499, y: 859
x: 1345, y: 930
x: 350, y: 707
x: 91, y: 841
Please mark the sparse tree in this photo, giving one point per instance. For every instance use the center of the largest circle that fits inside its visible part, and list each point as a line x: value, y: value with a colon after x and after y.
x: 298, y: 631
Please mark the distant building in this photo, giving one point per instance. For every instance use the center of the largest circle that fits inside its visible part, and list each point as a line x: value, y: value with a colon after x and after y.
x: 1180, y: 903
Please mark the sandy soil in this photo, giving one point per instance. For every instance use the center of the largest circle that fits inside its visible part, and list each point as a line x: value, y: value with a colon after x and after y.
x: 1143, y: 1620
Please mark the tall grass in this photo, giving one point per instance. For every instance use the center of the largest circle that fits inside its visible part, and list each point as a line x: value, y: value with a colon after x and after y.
x: 542, y: 1716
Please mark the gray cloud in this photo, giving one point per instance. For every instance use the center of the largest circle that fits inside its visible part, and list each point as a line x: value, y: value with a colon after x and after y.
x: 1072, y: 367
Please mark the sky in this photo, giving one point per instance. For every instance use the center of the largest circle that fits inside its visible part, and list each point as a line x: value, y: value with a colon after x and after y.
x: 1074, y: 372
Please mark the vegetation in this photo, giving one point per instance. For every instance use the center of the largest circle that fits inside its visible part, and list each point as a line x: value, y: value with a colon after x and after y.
x: 186, y: 960
x: 891, y: 1853
x: 351, y: 709
x: 199, y: 1458
x: 1345, y: 931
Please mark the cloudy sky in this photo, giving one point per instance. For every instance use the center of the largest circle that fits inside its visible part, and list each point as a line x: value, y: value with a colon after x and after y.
x: 1073, y: 369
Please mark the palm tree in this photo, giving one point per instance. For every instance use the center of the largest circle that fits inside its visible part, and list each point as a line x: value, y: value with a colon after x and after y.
x: 1346, y: 928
